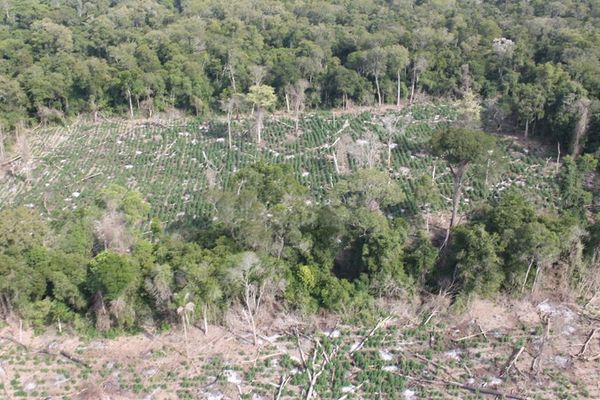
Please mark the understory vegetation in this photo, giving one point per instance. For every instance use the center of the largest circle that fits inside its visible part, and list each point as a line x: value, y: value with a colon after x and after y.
x: 268, y: 243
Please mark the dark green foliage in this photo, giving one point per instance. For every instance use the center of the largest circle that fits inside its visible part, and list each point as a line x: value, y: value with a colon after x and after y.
x: 571, y: 180
x: 112, y: 274
x: 420, y: 258
x: 462, y: 146
x: 269, y: 235
x: 476, y: 266
x: 62, y: 59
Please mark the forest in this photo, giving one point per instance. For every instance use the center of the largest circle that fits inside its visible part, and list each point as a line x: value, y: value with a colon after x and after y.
x: 527, y: 69
x: 532, y: 65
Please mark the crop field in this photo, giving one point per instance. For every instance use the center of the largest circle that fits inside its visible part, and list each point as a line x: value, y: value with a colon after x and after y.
x: 520, y: 351
x: 173, y: 163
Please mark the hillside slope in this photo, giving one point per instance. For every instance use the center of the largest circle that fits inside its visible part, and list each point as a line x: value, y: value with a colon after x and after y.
x: 174, y: 163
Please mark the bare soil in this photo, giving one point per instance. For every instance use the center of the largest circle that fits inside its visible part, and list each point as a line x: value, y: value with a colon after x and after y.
x: 529, y: 349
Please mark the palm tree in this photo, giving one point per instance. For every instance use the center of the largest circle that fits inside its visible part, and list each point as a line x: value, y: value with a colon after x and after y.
x: 185, y: 310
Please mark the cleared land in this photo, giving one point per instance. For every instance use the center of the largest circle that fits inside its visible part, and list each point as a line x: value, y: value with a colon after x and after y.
x: 173, y: 163
x: 523, y: 350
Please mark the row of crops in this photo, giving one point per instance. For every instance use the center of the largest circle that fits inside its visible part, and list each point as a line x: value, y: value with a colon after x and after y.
x: 174, y: 164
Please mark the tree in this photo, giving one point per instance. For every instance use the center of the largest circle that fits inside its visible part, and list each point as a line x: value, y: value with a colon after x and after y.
x: 231, y: 105
x: 574, y: 195
x: 477, y: 267
x: 370, y: 62
x: 530, y: 102
x: 461, y: 148
x: 185, y: 311
x: 112, y: 278
x: 1, y: 145
x: 398, y: 59
x: 210, y: 293
x: 427, y: 197
x: 297, y: 93
x: 20, y: 229
x: 419, y: 65
x: 263, y: 98
x: 581, y: 109
x: 253, y: 277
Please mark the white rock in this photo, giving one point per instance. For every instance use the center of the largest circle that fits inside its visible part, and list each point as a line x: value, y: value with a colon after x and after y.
x: 334, y: 333
x: 232, y: 376
x: 348, y: 389
x: 29, y: 386
x: 562, y: 361
x: 409, y: 394
x: 75, y: 194
x: 60, y: 380
x: 385, y: 355
x: 214, y: 396
x: 495, y: 381
x: 454, y: 354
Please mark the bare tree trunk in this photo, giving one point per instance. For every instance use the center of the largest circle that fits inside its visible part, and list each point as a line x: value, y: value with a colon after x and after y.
x: 185, y: 335
x: 526, y: 128
x: 558, y: 156
x: 335, y: 162
x: 287, y: 103
x: 389, y: 153
x: 252, y: 322
x: 456, y: 194
x: 412, y: 85
x: 232, y: 78
x: 229, y: 127
x: 2, y: 155
x: 259, y: 123
x: 527, y: 275
x: 457, y: 191
x: 378, y: 90
x: 398, y: 89
x: 130, y: 103
x: 205, y: 318
x: 583, y: 108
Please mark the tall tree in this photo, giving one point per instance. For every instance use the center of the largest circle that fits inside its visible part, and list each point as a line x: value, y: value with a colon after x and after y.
x: 297, y: 93
x: 530, y: 102
x: 263, y: 98
x: 398, y: 59
x: 231, y: 105
x: 461, y: 148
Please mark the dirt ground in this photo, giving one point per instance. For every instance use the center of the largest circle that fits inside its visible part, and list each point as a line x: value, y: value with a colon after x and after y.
x: 526, y: 349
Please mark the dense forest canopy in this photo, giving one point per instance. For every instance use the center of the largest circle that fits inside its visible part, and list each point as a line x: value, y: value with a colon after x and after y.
x: 532, y: 65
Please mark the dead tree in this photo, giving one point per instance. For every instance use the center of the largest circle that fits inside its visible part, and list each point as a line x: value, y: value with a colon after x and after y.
x: 24, y: 151
x: 297, y: 93
x: 251, y: 297
x: 419, y: 66
x: 2, y: 155
x: 582, y: 108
